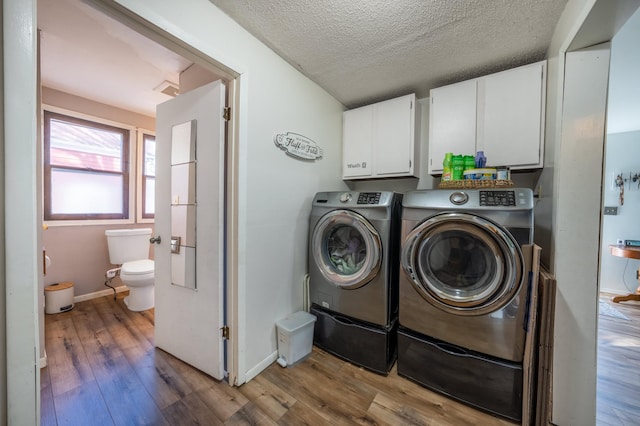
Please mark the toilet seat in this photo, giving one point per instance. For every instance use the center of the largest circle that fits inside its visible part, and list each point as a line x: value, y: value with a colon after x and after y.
x: 137, y: 267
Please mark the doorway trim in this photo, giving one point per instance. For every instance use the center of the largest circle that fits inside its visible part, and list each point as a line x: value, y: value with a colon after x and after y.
x: 151, y: 31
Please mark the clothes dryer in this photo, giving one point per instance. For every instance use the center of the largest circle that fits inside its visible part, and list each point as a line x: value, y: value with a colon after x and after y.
x: 353, y: 275
x: 464, y: 294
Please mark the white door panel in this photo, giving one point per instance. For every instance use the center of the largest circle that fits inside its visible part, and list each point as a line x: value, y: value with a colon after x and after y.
x: 188, y: 320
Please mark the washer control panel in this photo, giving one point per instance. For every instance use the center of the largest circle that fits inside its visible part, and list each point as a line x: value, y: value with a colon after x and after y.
x: 497, y: 198
x: 369, y: 198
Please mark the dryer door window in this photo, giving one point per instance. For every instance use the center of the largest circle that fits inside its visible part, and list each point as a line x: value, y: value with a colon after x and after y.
x: 463, y: 263
x: 347, y: 248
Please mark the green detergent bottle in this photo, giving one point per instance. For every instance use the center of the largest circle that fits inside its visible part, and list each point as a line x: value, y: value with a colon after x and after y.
x: 457, y: 167
x: 447, y: 165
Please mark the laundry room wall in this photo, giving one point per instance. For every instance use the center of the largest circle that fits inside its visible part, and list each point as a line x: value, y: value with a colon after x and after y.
x: 622, y: 156
x: 275, y: 190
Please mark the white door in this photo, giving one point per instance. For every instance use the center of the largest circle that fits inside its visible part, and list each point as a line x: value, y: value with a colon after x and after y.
x: 189, y: 284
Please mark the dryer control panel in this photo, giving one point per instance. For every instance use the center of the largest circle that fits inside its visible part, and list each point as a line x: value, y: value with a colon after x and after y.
x: 497, y: 198
x: 369, y: 198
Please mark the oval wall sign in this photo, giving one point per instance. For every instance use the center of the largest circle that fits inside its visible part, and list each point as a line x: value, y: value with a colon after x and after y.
x: 298, y: 146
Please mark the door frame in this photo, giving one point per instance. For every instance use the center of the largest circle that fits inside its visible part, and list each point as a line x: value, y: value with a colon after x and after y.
x: 232, y: 80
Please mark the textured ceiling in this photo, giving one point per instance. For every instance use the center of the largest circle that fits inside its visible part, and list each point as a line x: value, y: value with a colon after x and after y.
x: 362, y: 51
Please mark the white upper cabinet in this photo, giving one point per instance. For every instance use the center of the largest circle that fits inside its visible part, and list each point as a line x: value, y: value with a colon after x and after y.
x: 452, y: 122
x: 380, y: 140
x: 501, y: 114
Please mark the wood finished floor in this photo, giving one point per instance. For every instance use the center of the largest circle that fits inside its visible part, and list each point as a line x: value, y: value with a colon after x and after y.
x: 618, y: 373
x: 103, y: 369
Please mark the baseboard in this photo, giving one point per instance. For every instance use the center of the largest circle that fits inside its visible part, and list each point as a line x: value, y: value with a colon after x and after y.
x: 253, y: 372
x: 97, y: 294
x: 614, y: 291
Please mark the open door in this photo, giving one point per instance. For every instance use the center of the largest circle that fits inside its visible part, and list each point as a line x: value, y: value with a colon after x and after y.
x: 189, y: 226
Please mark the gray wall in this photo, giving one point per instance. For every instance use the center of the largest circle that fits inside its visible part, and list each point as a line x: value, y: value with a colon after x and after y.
x: 3, y: 346
x: 622, y: 153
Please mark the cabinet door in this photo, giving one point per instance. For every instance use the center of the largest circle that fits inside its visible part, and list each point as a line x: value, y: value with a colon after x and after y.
x: 395, y: 136
x: 357, y: 146
x: 452, y: 122
x: 512, y: 110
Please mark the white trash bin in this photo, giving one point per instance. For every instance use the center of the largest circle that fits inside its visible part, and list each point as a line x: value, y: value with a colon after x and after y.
x: 58, y: 297
x: 295, y: 338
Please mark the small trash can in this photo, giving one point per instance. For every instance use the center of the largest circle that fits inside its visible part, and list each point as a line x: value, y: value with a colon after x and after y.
x: 295, y: 338
x: 58, y: 297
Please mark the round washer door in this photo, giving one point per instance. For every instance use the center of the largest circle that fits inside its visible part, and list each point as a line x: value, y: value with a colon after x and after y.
x: 347, y: 248
x: 462, y: 263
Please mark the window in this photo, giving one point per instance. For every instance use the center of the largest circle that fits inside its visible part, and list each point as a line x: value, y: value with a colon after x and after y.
x: 86, y: 169
x: 148, y: 175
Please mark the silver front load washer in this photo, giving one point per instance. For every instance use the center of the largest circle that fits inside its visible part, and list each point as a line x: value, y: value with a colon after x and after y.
x: 353, y: 275
x: 464, y: 293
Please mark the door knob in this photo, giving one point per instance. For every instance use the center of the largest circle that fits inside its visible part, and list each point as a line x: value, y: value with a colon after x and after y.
x: 155, y: 240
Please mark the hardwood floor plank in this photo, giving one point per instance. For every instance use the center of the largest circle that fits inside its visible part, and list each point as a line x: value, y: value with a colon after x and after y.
x: 333, y: 400
x: 194, y: 379
x: 410, y: 394
x: 128, y: 400
x: 223, y: 400
x: 82, y: 405
x: 158, y: 377
x: 104, y: 369
x: 190, y: 410
x: 393, y: 409
x: 301, y: 414
x: 250, y: 414
x: 47, y: 407
x: 315, y: 370
x: 67, y: 362
x: 271, y: 399
x: 618, y: 362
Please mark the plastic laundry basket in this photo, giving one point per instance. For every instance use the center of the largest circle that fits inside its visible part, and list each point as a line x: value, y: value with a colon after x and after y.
x: 295, y: 338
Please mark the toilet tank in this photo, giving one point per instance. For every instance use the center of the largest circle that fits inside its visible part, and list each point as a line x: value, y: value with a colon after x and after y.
x: 126, y: 245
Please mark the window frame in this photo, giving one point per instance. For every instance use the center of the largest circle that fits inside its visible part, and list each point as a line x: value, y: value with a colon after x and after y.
x: 141, y: 217
x: 129, y: 174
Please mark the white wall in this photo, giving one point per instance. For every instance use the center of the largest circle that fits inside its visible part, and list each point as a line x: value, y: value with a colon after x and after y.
x: 618, y: 275
x: 275, y: 190
x: 623, y: 110
x: 3, y: 323
x: 21, y: 232
x: 576, y: 236
x: 571, y: 220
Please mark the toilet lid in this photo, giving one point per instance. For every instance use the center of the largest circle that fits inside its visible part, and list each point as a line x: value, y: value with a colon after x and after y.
x: 137, y: 267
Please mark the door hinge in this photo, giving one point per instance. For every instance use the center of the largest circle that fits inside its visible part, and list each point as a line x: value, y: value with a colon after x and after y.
x: 226, y: 114
x: 225, y: 332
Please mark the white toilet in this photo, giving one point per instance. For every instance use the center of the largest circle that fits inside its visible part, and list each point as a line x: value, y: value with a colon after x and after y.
x: 129, y: 248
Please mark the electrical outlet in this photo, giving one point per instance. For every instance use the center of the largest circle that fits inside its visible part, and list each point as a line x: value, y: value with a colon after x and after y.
x: 611, y: 210
x: 111, y: 273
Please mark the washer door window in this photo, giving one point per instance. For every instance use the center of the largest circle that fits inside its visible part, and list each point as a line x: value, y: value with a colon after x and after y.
x: 462, y: 263
x: 347, y: 248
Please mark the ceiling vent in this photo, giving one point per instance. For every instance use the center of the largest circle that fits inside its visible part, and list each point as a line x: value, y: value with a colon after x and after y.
x: 168, y: 88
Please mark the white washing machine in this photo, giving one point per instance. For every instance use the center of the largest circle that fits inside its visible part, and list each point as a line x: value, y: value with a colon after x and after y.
x: 353, y: 275
x: 464, y: 294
